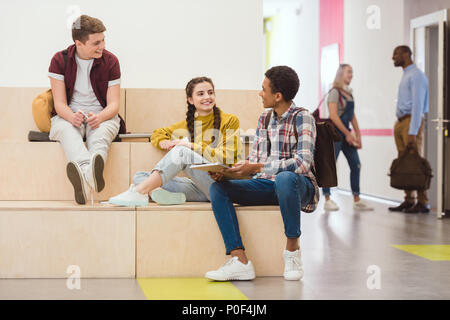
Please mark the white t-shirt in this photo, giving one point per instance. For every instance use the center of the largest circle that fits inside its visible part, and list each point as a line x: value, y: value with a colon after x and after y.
x: 83, y: 95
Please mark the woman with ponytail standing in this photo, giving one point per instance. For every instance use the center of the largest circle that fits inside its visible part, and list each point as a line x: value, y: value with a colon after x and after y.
x: 207, y: 135
x: 341, y: 106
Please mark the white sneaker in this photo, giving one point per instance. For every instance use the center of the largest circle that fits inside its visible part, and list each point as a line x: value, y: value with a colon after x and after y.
x: 80, y: 186
x: 293, y: 269
x: 130, y: 198
x: 330, y: 205
x: 362, y: 206
x: 233, y: 269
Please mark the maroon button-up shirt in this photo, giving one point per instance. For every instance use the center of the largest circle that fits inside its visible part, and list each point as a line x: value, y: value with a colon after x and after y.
x: 103, y: 70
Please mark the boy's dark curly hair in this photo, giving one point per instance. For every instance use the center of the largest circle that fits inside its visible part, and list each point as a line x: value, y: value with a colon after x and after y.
x: 285, y: 80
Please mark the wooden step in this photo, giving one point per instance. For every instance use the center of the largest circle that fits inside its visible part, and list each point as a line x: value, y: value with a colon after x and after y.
x: 37, y: 171
x: 149, y: 109
x: 17, y: 119
x: 185, y: 241
x: 42, y: 240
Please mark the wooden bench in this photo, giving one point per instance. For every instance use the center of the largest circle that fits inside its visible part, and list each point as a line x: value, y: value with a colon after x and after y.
x: 16, y: 120
x: 43, y: 231
x: 41, y: 239
x: 37, y: 171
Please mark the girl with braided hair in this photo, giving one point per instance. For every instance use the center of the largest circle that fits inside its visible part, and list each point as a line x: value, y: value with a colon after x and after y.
x: 207, y: 135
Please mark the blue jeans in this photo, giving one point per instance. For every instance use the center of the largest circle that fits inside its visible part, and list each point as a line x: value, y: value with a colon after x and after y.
x: 351, y: 154
x: 289, y: 190
x: 349, y: 151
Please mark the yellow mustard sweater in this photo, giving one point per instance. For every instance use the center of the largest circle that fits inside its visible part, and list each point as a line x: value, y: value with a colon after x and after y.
x: 227, y: 150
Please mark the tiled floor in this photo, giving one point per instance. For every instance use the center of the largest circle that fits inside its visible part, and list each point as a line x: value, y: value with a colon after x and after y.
x: 346, y: 255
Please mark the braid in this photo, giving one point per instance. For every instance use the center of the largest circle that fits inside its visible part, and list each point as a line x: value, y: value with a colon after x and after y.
x: 190, y: 120
x: 217, y: 121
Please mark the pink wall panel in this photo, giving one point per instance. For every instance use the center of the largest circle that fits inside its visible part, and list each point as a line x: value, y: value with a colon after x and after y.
x: 331, y: 28
x: 332, y: 24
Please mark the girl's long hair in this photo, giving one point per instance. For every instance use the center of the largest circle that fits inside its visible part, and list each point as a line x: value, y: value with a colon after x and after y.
x: 339, y: 79
x: 190, y: 114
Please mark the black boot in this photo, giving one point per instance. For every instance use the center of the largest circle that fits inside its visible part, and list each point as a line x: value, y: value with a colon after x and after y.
x: 418, y: 208
x: 403, y: 206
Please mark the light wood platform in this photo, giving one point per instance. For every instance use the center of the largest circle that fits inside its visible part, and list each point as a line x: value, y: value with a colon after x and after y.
x: 185, y: 241
x: 43, y: 231
x: 41, y: 240
x: 17, y: 120
x: 142, y: 109
x: 37, y: 171
x: 149, y: 109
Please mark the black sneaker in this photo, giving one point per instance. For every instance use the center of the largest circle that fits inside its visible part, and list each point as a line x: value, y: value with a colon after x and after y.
x: 402, y: 207
x: 76, y: 178
x: 97, y: 165
x: 418, y: 208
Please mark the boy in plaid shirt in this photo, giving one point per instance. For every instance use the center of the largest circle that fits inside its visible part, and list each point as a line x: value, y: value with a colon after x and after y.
x: 281, y: 170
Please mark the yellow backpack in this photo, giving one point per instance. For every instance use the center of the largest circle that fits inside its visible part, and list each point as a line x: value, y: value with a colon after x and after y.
x: 42, y: 108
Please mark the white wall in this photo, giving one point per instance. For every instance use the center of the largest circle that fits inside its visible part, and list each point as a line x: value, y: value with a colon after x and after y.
x: 375, y: 86
x: 159, y: 43
x: 297, y: 44
x: 417, y: 8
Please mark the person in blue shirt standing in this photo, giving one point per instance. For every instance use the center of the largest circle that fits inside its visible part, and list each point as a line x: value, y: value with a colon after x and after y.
x: 412, y: 104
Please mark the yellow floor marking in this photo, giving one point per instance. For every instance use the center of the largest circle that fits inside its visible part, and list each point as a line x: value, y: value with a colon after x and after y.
x: 430, y: 252
x: 189, y: 289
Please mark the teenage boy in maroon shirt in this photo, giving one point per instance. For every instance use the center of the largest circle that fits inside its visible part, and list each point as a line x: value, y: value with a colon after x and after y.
x: 85, y: 82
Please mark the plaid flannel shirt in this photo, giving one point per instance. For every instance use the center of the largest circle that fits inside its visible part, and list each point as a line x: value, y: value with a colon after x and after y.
x: 285, y: 153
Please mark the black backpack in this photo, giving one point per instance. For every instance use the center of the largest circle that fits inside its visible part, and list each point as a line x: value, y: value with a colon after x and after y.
x: 324, y: 158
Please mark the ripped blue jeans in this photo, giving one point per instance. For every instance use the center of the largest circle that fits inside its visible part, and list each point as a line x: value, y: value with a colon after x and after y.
x: 195, y: 188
